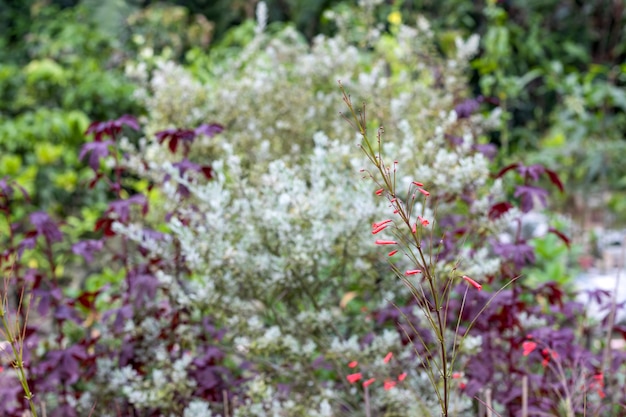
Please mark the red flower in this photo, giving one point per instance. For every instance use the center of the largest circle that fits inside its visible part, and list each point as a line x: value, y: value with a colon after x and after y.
x: 379, y: 192
x: 423, y: 191
x: 456, y: 375
x: 419, y: 184
x: 388, y: 357
x: 473, y: 283
x: 423, y: 220
x: 528, y: 347
x: 412, y: 272
x: 375, y: 225
x: 368, y: 382
x: 393, y: 252
x: 389, y: 384
x: 353, y: 364
x: 385, y: 242
x: 402, y: 376
x: 352, y: 378
x: 379, y: 229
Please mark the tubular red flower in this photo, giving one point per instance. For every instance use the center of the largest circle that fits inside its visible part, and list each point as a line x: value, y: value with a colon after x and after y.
x: 388, y: 357
x: 379, y: 191
x: 402, y: 376
x: 368, y: 382
x: 419, y: 184
x: 385, y: 242
x: 423, y: 221
x: 528, y: 347
x: 412, y: 272
x: 352, y: 378
x: 379, y: 229
x: 389, y: 384
x: 414, y: 228
x: 423, y: 191
x: 393, y: 252
x: 353, y: 364
x: 375, y: 225
x: 473, y: 283
x: 456, y: 375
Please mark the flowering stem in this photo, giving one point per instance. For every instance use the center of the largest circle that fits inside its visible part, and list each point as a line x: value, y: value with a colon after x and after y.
x: 437, y: 323
x: 16, y: 339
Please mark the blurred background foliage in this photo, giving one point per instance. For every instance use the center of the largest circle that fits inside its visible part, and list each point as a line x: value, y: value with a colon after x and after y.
x: 556, y: 67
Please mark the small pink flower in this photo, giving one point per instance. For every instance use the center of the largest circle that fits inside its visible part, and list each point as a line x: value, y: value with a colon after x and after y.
x: 412, y: 272
x: 414, y: 228
x: 456, y: 375
x: 393, y: 252
x: 599, y: 378
x: 528, y: 347
x: 423, y: 220
x: 385, y: 242
x: 423, y: 191
x: 393, y: 200
x: 462, y: 385
x: 402, y: 376
x: 389, y: 384
x: 379, y: 191
x: 473, y: 283
x: 384, y: 222
x: 353, y: 364
x: 379, y: 229
x: 352, y: 378
x: 419, y: 184
x: 388, y: 357
x: 368, y: 382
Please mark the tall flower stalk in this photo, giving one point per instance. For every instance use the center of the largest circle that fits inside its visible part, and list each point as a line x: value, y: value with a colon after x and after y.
x: 431, y: 291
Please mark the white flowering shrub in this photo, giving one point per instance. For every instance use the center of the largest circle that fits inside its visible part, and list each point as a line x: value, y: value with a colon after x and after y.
x: 278, y: 242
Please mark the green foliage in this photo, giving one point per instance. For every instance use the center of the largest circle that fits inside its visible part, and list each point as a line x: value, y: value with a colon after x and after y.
x: 67, y: 74
x: 553, y: 262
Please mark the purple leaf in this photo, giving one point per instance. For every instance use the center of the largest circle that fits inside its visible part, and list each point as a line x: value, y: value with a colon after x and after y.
x: 529, y: 195
x: 554, y: 178
x: 185, y: 136
x: 46, y: 227
x: 560, y: 235
x: 142, y: 287
x: 122, y: 207
x: 96, y: 151
x: 186, y: 165
x: 521, y: 254
x: 497, y: 210
x: 507, y: 169
x: 533, y: 171
x: 467, y: 107
x: 29, y: 242
x: 209, y: 130
x: 111, y: 127
x: 489, y: 150
x: 87, y: 248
